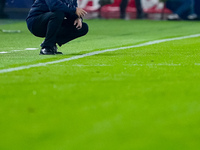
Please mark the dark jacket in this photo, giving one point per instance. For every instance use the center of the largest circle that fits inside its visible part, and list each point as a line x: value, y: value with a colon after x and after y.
x: 42, y: 6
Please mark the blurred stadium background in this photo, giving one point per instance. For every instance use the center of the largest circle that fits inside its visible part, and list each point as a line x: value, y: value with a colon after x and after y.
x: 18, y: 9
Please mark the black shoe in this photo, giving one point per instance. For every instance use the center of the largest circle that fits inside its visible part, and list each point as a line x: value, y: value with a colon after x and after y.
x: 55, y: 49
x: 46, y: 51
x: 142, y: 16
x: 122, y: 16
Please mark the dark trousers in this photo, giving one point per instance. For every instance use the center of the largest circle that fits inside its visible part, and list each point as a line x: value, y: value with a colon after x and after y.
x: 2, y: 6
x: 181, y: 7
x: 56, y: 29
x: 124, y: 4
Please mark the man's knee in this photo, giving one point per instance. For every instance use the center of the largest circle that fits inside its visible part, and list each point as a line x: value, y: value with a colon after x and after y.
x: 85, y: 28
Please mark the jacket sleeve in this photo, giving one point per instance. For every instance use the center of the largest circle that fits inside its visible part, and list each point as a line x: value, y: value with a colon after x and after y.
x: 55, y: 5
x: 75, y: 3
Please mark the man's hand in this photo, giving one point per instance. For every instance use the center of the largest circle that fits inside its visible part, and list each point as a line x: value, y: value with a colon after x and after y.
x: 80, y: 12
x: 78, y: 23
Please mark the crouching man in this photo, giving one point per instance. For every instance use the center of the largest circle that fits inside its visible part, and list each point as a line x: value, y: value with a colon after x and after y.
x: 58, y: 21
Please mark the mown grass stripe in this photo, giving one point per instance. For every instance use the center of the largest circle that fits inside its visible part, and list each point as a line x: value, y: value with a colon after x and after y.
x: 95, y: 53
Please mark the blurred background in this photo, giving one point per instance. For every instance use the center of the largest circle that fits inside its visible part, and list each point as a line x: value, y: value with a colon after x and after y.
x: 124, y: 9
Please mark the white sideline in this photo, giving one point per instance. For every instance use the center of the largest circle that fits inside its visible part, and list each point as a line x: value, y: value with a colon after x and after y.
x: 95, y: 53
x: 26, y: 49
x: 3, y: 52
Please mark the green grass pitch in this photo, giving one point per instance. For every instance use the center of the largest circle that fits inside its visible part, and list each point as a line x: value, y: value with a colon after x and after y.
x: 142, y: 98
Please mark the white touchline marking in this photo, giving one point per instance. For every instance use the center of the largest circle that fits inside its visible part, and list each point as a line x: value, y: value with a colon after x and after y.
x: 26, y: 49
x: 16, y: 50
x: 31, y: 49
x: 95, y: 53
x: 168, y: 64
x: 3, y: 52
